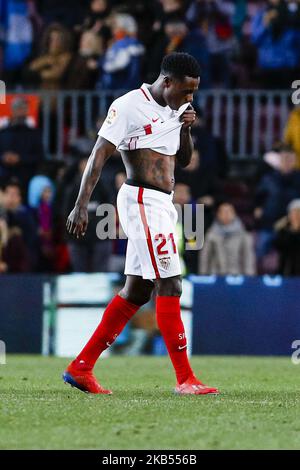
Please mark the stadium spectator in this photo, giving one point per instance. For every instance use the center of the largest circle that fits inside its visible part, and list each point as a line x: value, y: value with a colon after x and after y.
x: 21, y: 146
x: 214, y: 18
x: 20, y: 220
x: 97, y: 20
x: 204, y: 187
x: 16, y: 38
x: 287, y: 241
x: 48, y: 70
x: 276, y: 35
x: 271, y: 160
x: 165, y: 11
x: 145, y: 14
x: 46, y: 230
x: 228, y: 248
x: 37, y: 184
x: 170, y: 10
x: 274, y: 192
x: 214, y: 158
x: 121, y: 67
x: 200, y: 183
x: 176, y: 37
x: 89, y: 254
x: 13, y: 253
x: 292, y: 132
x: 83, y: 70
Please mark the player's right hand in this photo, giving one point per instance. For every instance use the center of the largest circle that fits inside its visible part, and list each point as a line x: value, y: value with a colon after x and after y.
x: 77, y: 221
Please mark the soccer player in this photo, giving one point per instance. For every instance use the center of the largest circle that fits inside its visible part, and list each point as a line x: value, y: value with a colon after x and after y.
x: 151, y: 127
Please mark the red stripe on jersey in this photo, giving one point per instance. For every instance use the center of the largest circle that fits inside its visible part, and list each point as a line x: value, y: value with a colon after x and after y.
x: 147, y: 232
x: 132, y: 143
x: 148, y: 129
x: 145, y: 94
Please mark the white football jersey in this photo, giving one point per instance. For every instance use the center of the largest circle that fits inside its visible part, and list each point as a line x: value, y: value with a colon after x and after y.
x: 137, y: 121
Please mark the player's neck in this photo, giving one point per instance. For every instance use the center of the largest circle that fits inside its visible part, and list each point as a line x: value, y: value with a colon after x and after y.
x: 156, y: 93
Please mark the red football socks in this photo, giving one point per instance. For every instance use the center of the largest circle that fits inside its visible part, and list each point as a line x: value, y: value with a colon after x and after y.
x: 172, y: 329
x: 118, y: 312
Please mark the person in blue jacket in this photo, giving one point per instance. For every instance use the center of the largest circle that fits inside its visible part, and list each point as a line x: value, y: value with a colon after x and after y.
x: 121, y: 63
x: 276, y: 35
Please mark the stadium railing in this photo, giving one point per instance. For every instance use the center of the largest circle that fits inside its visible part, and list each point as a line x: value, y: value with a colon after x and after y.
x: 249, y: 121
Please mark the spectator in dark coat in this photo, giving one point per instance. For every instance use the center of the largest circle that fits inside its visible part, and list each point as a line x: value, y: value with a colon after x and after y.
x: 13, y: 252
x: 201, y: 183
x: 207, y: 168
x: 83, y: 70
x: 89, y: 254
x: 97, y: 20
x: 21, y: 147
x: 287, y: 241
x: 275, y: 191
x: 20, y: 219
x: 214, y: 158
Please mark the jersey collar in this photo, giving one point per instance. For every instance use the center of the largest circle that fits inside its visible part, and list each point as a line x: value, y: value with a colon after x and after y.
x: 145, y: 90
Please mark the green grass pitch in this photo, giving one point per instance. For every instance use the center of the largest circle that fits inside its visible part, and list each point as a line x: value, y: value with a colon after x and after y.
x: 259, y: 407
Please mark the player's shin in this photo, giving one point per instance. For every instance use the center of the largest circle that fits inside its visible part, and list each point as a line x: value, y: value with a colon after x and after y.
x: 172, y: 329
x: 118, y: 312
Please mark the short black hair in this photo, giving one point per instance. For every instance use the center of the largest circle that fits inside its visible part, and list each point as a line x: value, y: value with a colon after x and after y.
x: 180, y: 65
x: 13, y: 182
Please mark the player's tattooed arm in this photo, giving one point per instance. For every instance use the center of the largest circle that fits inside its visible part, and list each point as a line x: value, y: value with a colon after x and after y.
x: 184, y: 153
x: 78, y: 219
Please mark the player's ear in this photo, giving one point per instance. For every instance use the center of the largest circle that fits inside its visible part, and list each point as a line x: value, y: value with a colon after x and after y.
x: 167, y: 81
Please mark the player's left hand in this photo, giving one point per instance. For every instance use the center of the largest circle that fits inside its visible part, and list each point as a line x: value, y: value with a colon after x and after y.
x: 188, y: 117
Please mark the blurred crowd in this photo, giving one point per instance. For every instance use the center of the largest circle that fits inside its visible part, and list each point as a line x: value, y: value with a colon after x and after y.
x: 117, y: 44
x: 252, y: 225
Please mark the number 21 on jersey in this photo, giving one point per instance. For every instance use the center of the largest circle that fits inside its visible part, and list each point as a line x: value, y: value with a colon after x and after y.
x: 161, y: 247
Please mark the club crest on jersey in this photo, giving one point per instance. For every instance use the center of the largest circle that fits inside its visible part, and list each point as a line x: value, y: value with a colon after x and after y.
x: 112, y: 114
x: 165, y: 262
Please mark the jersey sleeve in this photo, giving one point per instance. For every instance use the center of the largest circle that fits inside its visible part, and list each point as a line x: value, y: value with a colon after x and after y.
x: 116, y: 125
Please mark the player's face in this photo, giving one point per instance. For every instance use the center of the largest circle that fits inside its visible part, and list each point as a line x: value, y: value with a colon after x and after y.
x: 179, y: 92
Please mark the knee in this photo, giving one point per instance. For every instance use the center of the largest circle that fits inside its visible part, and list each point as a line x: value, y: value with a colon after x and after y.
x: 169, y: 287
x: 139, y: 296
